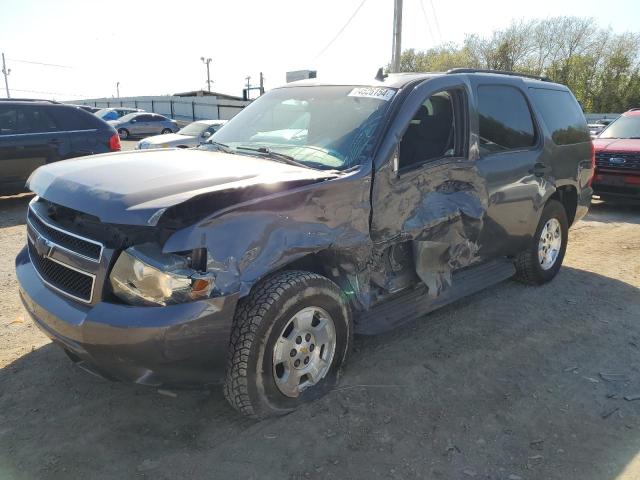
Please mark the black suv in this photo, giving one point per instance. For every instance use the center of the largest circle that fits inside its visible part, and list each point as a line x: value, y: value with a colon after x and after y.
x: 38, y: 132
x: 318, y: 211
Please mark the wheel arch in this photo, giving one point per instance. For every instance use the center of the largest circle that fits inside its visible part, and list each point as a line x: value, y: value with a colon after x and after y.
x: 322, y: 263
x: 567, y: 195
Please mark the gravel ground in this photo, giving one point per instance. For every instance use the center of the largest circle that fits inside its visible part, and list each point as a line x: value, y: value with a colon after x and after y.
x: 513, y: 383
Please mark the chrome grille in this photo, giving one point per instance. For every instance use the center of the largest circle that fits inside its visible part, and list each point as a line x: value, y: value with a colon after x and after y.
x: 66, y: 280
x: 65, y: 261
x: 68, y: 241
x: 618, y: 161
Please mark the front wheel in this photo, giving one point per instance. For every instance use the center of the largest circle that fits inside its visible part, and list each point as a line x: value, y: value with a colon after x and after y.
x: 166, y: 130
x: 543, y: 259
x: 123, y: 133
x: 290, y: 338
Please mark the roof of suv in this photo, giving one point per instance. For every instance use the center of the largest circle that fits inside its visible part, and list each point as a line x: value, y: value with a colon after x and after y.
x: 27, y: 101
x: 400, y: 80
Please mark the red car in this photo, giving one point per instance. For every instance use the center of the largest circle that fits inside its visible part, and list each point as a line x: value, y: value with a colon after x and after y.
x: 618, y: 158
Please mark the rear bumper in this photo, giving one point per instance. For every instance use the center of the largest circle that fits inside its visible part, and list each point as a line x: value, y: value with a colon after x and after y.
x: 584, y: 202
x: 178, y: 345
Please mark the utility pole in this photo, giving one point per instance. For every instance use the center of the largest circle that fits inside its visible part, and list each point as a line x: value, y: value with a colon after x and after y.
x: 118, y: 89
x: 207, y: 61
x: 261, y: 84
x: 248, y: 79
x: 397, y: 36
x: 5, y: 71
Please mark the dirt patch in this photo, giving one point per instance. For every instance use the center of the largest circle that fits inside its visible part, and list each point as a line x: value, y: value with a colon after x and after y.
x: 514, y: 382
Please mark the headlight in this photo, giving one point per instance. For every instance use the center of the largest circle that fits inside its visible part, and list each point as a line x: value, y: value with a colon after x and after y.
x: 142, y: 145
x: 144, y: 275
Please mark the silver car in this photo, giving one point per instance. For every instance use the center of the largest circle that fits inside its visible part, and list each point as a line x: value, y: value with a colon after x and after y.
x: 143, y: 124
x: 192, y: 135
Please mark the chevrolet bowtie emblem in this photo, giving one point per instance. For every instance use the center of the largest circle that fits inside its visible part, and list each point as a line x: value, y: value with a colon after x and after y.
x: 44, y: 246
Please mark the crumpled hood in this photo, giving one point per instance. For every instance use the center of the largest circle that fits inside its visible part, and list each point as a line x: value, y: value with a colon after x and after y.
x: 631, y: 145
x: 133, y: 188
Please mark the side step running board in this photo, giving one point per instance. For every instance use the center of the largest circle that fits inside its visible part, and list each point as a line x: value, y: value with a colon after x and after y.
x: 416, y: 303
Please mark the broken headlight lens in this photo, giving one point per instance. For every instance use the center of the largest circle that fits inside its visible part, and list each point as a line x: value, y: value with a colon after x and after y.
x: 143, y: 275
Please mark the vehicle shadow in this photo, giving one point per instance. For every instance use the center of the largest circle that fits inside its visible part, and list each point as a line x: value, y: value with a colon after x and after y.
x: 14, y: 209
x: 507, y: 382
x: 619, y: 211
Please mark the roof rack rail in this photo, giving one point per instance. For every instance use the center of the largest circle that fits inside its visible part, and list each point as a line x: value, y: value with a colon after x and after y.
x: 500, y: 72
x: 27, y: 100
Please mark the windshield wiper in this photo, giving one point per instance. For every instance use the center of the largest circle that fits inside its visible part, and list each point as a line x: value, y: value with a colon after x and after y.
x: 279, y: 157
x: 220, y: 146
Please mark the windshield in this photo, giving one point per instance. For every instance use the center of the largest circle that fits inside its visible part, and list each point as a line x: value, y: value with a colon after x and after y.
x: 325, y: 127
x: 194, y: 129
x: 128, y: 117
x: 623, y: 127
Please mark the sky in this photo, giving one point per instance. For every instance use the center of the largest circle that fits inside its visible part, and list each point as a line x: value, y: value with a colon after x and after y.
x: 154, y: 47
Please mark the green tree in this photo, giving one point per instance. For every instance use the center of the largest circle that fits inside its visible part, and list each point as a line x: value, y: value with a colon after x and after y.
x: 600, y: 67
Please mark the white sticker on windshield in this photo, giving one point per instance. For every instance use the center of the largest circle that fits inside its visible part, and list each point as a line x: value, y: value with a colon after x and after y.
x: 380, y: 93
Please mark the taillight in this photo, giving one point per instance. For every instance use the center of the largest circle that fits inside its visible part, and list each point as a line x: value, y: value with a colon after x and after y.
x: 114, y: 143
x: 593, y: 164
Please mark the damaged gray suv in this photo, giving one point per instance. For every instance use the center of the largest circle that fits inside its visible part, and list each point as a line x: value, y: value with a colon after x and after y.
x: 320, y: 211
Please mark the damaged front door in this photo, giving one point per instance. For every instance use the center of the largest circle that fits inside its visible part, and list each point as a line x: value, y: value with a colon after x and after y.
x: 428, y: 200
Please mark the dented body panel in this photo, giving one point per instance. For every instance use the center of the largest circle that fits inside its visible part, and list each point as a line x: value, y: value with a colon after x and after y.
x: 377, y: 230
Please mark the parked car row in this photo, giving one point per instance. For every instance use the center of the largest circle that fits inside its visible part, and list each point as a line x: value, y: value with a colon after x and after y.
x: 38, y: 132
x: 192, y: 135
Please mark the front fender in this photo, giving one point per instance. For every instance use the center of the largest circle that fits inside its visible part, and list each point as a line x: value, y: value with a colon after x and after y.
x: 249, y: 241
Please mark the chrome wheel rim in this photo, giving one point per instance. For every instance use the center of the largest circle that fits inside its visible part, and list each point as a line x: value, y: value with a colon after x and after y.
x: 304, y: 351
x: 549, y: 244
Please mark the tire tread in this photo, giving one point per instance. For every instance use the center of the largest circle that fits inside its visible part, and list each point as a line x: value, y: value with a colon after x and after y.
x: 249, y: 316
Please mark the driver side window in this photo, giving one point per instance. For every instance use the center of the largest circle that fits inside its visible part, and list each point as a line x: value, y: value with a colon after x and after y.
x: 431, y: 134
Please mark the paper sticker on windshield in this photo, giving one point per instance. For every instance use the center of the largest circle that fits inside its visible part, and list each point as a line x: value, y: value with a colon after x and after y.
x: 380, y: 93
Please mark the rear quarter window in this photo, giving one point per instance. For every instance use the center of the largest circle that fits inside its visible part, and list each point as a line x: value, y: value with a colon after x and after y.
x: 505, y: 120
x: 562, y: 115
x: 72, y: 118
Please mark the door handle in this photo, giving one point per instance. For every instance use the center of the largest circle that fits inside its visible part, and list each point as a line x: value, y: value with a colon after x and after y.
x: 540, y: 169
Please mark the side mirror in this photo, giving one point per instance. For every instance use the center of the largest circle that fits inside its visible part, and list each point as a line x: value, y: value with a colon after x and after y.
x: 206, y: 134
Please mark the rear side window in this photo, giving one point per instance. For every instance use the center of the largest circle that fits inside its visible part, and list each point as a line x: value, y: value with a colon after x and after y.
x: 40, y: 121
x: 72, y: 118
x: 562, y: 115
x: 12, y: 121
x: 25, y: 119
x: 505, y: 120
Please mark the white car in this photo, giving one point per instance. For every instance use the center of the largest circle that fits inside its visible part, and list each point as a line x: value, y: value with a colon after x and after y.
x: 192, y: 135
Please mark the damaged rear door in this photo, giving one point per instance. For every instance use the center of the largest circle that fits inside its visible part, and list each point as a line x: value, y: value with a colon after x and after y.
x: 428, y: 199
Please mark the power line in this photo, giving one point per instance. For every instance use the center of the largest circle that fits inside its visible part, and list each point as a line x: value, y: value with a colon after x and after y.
x: 40, y: 63
x: 435, y: 19
x: 341, y: 30
x: 426, y: 21
x: 51, y: 93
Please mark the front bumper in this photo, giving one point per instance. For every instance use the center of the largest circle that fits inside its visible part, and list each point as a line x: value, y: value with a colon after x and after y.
x: 622, y: 185
x: 177, y: 345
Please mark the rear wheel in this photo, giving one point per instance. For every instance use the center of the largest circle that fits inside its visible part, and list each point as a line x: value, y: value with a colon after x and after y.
x: 123, y: 133
x: 290, y: 338
x: 543, y: 259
